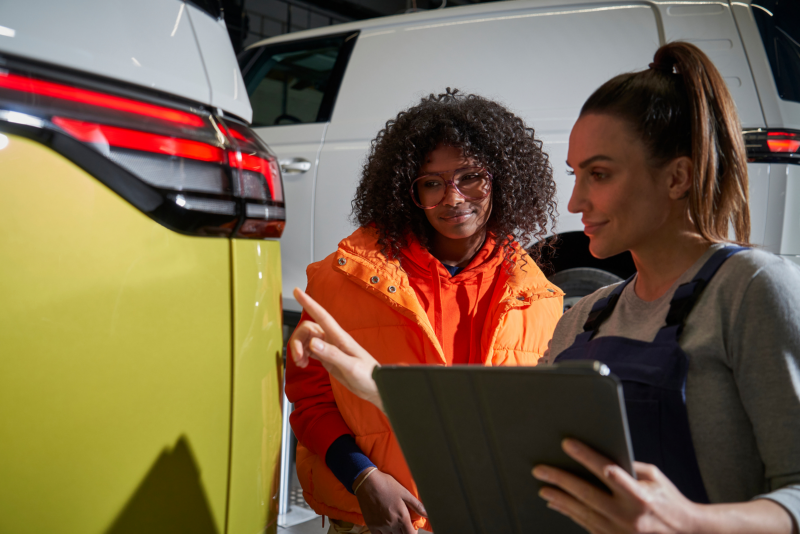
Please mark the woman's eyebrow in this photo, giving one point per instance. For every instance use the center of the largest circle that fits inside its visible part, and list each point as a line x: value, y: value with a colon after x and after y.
x: 599, y: 157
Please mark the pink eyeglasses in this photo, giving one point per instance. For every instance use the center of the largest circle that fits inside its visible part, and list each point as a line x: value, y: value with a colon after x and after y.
x: 472, y: 183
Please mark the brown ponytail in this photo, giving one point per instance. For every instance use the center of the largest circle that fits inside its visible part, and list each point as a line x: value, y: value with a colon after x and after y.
x: 681, y: 106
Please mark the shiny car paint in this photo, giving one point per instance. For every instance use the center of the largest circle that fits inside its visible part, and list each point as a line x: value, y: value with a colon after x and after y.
x: 140, y: 380
x: 115, y: 375
x: 140, y: 376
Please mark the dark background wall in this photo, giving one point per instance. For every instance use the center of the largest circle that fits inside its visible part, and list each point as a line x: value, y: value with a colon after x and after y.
x: 250, y: 21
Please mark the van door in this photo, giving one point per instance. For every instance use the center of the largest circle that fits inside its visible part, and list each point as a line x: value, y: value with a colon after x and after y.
x: 292, y: 87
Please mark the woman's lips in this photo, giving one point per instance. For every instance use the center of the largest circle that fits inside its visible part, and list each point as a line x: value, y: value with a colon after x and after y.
x: 590, y: 228
x: 456, y: 218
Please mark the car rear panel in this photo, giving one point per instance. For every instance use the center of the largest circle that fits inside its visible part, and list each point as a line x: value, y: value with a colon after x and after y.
x: 165, y: 45
x: 116, y: 342
x: 143, y: 42
x: 257, y: 385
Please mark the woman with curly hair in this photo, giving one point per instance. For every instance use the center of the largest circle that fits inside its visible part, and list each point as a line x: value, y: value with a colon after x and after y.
x: 453, y: 191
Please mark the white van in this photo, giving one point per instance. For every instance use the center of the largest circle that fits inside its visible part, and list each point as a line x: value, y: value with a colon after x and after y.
x: 320, y: 96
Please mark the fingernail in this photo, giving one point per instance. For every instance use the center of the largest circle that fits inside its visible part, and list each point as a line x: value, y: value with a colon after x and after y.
x: 317, y: 345
x: 555, y: 507
x: 570, y: 445
x: 542, y: 473
x: 547, y: 494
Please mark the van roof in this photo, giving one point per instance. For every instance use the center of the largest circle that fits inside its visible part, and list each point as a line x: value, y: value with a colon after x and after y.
x: 451, y: 15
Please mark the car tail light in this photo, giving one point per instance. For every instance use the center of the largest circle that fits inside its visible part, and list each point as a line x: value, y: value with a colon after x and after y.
x: 776, y: 146
x: 195, y: 171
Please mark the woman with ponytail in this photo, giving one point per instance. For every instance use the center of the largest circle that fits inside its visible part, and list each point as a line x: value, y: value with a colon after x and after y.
x: 705, y: 337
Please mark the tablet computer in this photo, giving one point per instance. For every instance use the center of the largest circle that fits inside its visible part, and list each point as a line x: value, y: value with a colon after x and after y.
x: 471, y: 436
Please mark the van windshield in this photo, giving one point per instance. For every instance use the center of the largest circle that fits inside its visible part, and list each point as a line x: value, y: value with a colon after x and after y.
x: 779, y: 24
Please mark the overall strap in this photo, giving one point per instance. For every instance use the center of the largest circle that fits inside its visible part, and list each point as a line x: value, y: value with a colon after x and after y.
x: 601, y: 311
x: 687, y: 295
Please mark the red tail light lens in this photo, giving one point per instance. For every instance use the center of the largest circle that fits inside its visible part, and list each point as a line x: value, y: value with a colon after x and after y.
x: 783, y: 141
x: 778, y: 146
x: 33, y: 86
x: 99, y: 134
x: 213, y: 176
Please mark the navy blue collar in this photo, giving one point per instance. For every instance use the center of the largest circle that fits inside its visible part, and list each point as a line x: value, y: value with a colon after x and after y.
x: 453, y: 269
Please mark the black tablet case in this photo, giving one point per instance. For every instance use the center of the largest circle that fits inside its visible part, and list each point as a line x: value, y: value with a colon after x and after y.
x: 471, y: 436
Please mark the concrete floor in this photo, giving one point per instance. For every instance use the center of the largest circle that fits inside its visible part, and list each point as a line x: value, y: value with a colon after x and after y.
x: 309, y: 527
x: 312, y: 526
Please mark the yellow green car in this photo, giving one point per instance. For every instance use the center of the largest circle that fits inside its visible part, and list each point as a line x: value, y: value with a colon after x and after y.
x: 140, y: 286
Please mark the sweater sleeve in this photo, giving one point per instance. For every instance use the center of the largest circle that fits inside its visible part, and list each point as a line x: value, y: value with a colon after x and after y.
x: 345, y: 459
x: 316, y: 420
x: 766, y: 367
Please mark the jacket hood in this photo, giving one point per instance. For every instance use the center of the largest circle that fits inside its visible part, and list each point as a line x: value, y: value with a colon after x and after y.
x: 485, y: 260
x: 525, y: 276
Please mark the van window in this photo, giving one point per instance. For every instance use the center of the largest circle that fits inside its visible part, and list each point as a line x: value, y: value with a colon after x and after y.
x: 779, y: 24
x: 296, y: 82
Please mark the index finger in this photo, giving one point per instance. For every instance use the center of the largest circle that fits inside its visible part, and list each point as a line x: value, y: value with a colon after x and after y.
x: 301, y: 336
x: 320, y: 315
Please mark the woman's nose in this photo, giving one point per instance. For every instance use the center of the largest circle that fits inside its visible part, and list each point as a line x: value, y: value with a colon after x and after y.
x: 452, y: 197
x: 577, y: 201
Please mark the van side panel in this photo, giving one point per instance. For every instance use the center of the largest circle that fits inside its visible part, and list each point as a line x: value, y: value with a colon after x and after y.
x: 115, y: 368
x: 542, y: 63
x: 758, y: 176
x: 257, y: 386
x: 712, y: 28
x: 790, y: 240
x: 782, y: 230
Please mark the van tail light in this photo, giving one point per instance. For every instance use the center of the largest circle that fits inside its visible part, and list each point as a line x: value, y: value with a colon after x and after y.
x: 203, y: 173
x: 773, y: 145
x: 256, y: 168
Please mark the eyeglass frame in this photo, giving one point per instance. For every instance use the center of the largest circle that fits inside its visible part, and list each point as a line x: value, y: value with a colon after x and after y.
x: 448, y: 184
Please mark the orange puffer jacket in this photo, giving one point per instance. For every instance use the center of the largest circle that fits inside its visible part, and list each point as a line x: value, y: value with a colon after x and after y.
x: 372, y: 299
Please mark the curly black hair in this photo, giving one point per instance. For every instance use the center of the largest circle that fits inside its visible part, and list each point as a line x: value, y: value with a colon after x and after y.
x: 523, y: 189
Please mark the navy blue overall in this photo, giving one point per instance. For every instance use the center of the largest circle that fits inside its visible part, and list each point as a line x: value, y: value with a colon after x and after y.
x: 653, y: 377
